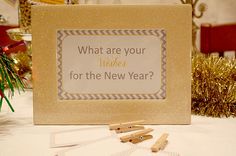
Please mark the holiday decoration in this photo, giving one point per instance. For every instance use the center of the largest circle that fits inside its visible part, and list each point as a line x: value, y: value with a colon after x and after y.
x: 213, y: 86
x: 23, y: 67
x: 25, y: 12
x: 8, y: 77
x: 22, y: 59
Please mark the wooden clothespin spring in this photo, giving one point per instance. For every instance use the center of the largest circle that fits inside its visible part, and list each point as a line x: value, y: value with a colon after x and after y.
x: 137, y: 137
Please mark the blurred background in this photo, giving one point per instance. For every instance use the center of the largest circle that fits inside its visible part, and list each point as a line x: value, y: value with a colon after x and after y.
x: 218, y: 11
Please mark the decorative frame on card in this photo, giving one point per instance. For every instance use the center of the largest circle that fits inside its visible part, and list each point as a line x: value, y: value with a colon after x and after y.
x: 75, y: 86
x: 158, y: 33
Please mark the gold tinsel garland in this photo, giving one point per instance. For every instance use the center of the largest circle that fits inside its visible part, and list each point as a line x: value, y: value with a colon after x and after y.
x: 23, y: 66
x: 213, y: 86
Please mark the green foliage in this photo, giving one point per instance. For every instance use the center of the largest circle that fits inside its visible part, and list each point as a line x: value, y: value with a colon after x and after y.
x: 8, y: 79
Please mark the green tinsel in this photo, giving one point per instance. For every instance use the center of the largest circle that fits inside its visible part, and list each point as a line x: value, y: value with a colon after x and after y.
x: 213, y: 86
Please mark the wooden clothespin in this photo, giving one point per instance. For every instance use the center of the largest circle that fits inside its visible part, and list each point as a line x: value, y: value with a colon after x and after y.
x: 160, y: 143
x: 127, y: 126
x: 137, y: 137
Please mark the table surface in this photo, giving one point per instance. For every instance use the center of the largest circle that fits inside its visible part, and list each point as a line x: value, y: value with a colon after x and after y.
x: 204, y: 137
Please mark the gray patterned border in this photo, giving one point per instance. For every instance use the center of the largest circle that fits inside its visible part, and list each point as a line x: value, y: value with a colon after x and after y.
x: 63, y: 95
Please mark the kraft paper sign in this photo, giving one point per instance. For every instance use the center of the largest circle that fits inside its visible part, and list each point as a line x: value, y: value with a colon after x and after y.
x: 98, y: 64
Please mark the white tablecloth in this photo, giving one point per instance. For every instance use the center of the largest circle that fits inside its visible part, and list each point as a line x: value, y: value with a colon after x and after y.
x: 204, y: 137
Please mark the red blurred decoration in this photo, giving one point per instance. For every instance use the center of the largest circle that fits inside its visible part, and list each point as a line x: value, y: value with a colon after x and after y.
x: 9, y: 47
x: 218, y: 38
x: 5, y: 41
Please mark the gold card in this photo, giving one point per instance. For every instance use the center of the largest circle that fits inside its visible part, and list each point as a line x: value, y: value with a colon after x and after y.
x: 100, y: 64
